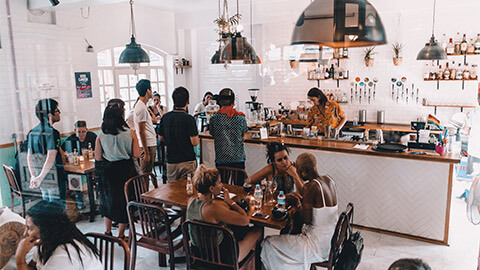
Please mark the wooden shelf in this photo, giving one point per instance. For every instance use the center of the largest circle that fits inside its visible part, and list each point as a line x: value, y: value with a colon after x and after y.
x: 340, y: 58
x: 448, y: 106
x: 330, y: 79
x: 181, y: 67
x: 449, y: 80
x: 459, y: 54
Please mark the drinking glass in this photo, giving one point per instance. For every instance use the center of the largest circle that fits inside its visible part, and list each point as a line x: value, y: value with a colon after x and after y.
x: 272, y: 187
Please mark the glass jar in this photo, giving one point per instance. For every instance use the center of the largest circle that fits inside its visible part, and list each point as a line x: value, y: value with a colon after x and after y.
x: 473, y: 72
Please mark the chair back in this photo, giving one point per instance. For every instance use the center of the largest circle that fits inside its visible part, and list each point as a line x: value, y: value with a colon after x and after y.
x: 340, y: 234
x: 136, y: 186
x: 232, y: 176
x: 12, y: 179
x: 106, y: 248
x: 207, y: 253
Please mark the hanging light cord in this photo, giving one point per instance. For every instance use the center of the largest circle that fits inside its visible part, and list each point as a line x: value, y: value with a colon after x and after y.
x: 251, y: 24
x: 433, y: 26
x: 132, y: 19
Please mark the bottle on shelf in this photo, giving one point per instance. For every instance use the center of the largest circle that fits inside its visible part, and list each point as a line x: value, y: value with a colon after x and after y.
x: 189, y: 185
x: 477, y: 44
x: 258, y: 197
x: 444, y: 42
x: 432, y: 73
x: 473, y: 72
x: 466, y: 72
x: 345, y: 74
x: 439, y: 74
x: 332, y: 72
x: 471, y: 47
x: 457, y: 41
x: 446, y: 72
x: 463, y: 45
x: 327, y: 73
x: 345, y: 52
x: 453, y: 71
x: 459, y: 72
x: 281, y: 200
x: 450, y: 47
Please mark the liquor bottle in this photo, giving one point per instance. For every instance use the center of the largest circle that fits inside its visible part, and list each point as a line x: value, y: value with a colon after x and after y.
x: 477, y: 44
x: 457, y: 41
x: 90, y: 151
x: 473, y: 72
x: 446, y: 72
x: 345, y: 74
x: 345, y: 52
x: 466, y: 72
x: 471, y: 47
x: 450, y: 47
x: 281, y: 200
x: 332, y: 72
x: 432, y: 73
x: 439, y: 74
x: 453, y: 71
x: 327, y: 73
x: 459, y: 72
x: 463, y: 45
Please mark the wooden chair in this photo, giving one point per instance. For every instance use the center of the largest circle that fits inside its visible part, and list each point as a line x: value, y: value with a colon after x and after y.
x: 232, y: 176
x: 154, y: 232
x: 16, y: 189
x: 207, y: 255
x: 106, y: 248
x: 341, y: 230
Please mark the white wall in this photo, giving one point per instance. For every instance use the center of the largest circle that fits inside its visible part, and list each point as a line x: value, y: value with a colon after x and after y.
x: 273, y: 27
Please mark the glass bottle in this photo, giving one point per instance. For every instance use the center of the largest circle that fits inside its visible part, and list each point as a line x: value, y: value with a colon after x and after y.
x: 453, y: 71
x: 75, y: 157
x: 477, y: 44
x: 345, y: 52
x: 466, y: 72
x: 471, y: 47
x: 458, y: 40
x: 444, y: 42
x: 90, y: 151
x: 450, y: 47
x: 463, y: 45
x: 446, y: 72
x: 439, y: 74
x: 473, y: 72
x: 459, y: 72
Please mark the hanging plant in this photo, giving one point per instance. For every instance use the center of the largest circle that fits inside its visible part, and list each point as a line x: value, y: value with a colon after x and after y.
x: 225, y: 24
x: 397, y: 49
x: 368, y: 56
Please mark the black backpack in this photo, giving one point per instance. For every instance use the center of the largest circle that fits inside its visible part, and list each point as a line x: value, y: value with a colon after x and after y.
x: 351, y: 253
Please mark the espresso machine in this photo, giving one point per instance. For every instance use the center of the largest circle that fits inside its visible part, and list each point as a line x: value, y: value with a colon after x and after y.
x: 255, y: 111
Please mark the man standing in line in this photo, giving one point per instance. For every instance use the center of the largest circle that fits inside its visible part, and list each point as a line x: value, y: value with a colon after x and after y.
x: 227, y: 128
x: 45, y: 157
x: 144, y: 127
x: 82, y: 139
x: 179, y: 132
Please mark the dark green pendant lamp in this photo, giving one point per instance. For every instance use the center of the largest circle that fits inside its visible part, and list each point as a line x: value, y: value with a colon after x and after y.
x: 432, y: 51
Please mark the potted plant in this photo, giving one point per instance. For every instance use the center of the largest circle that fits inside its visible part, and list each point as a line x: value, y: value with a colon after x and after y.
x: 397, y: 49
x: 368, y: 56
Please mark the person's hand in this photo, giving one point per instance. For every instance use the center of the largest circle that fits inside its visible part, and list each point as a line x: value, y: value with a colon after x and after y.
x: 226, y: 196
x: 24, y: 246
x: 292, y: 170
x: 35, y: 182
x: 146, y: 156
x: 292, y: 199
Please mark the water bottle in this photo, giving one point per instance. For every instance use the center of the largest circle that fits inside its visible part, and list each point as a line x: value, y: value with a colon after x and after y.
x: 281, y: 200
x: 258, y: 197
x: 189, y: 185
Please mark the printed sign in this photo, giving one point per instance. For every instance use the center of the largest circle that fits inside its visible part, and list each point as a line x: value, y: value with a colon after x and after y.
x: 83, y: 84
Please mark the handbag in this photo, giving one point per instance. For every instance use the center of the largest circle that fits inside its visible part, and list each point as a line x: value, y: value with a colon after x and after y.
x: 351, y: 253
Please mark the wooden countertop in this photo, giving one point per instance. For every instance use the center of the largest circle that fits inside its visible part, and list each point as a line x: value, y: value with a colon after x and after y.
x: 347, y: 147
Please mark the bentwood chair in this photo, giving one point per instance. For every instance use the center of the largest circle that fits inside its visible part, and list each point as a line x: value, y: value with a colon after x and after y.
x: 151, y: 229
x: 340, y: 234
x: 16, y: 189
x: 106, y: 248
x: 206, y: 253
x: 232, y: 176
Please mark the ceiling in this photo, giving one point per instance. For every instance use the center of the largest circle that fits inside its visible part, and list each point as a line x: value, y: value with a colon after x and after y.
x: 178, y: 6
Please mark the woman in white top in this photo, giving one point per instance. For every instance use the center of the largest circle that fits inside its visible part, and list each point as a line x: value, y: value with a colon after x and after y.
x: 200, y: 107
x: 56, y: 242
x: 319, y: 214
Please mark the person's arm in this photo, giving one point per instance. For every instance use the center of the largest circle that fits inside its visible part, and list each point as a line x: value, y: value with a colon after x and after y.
x: 312, y: 191
x: 135, y: 146
x: 152, y: 114
x: 98, y: 149
x: 227, y: 211
x: 260, y: 175
x: 342, y: 117
x: 197, y: 111
x: 47, y: 166
x: 25, y: 245
x: 30, y: 164
x: 143, y: 138
x: 160, y: 137
x: 292, y: 171
x: 195, y: 140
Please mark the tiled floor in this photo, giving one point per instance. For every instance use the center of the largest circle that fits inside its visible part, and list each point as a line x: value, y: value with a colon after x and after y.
x: 380, y: 249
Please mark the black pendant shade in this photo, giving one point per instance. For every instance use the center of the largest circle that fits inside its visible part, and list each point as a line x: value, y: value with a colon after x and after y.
x: 432, y: 51
x: 339, y: 24
x: 134, y: 53
x: 238, y: 49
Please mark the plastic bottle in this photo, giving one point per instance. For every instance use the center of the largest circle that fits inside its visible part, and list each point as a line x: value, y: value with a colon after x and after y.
x: 189, y: 184
x: 281, y: 200
x: 258, y: 197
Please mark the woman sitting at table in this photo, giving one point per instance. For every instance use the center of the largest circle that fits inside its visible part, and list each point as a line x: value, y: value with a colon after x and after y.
x: 116, y: 145
x: 207, y: 208
x: 56, y: 242
x: 280, y: 169
x: 319, y: 214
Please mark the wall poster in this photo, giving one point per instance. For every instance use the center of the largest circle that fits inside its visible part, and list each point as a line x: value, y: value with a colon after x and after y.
x: 83, y: 85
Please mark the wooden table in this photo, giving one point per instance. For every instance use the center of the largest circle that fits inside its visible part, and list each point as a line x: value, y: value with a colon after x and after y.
x: 174, y: 194
x: 86, y: 168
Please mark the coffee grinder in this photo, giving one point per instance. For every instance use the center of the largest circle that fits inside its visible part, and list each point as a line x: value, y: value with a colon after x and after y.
x: 255, y: 112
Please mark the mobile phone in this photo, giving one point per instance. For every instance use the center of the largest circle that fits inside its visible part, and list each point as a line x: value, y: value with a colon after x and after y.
x: 260, y: 215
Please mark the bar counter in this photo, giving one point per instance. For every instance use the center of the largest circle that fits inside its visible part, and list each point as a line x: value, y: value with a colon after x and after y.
x: 402, y: 194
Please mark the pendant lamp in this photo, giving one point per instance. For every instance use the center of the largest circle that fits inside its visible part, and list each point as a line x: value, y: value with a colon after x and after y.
x: 133, y: 53
x: 432, y: 51
x: 238, y: 48
x: 339, y: 24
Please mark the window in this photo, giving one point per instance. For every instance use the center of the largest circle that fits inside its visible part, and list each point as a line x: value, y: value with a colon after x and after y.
x: 118, y: 80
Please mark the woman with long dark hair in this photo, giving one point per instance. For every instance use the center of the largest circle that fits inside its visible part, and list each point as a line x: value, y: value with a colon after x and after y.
x: 324, y: 112
x: 157, y: 109
x: 57, y: 242
x: 279, y: 169
x: 115, y: 148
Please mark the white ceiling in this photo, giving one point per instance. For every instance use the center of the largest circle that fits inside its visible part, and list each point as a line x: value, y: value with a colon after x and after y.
x: 178, y: 6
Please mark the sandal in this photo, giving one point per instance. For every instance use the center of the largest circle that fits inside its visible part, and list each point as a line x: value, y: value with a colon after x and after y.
x: 109, y: 233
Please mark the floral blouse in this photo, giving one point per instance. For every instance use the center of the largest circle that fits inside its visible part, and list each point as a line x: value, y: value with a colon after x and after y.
x: 329, y: 116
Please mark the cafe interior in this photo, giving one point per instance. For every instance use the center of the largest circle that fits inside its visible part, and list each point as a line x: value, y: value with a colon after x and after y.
x: 402, y: 75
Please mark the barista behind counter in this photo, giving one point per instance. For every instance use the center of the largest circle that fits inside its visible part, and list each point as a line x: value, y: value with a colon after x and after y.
x: 324, y: 113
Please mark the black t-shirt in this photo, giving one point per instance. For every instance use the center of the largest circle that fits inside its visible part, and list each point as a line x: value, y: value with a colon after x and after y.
x: 177, y: 127
x: 72, y: 142
x: 42, y: 138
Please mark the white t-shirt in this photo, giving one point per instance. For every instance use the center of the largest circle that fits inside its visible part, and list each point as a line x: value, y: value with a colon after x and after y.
x: 473, y: 121
x: 60, y: 260
x: 199, y: 108
x: 5, y: 217
x: 140, y: 114
x: 129, y: 120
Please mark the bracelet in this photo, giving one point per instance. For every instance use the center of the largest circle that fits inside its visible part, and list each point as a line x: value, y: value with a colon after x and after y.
x: 231, y: 205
